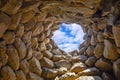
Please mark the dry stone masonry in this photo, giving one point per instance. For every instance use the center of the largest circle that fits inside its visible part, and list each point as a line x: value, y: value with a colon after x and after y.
x: 27, y: 51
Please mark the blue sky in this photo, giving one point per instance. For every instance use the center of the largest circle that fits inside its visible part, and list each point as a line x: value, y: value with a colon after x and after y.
x: 68, y: 37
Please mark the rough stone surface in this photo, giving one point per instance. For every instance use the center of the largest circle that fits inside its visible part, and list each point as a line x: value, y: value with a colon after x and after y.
x: 7, y: 73
x: 21, y: 48
x: 98, y: 51
x: 104, y: 64
x: 63, y: 63
x: 27, y: 51
x: 20, y: 75
x: 35, y: 66
x: 89, y: 71
x: 116, y: 34
x: 9, y: 37
x: 45, y: 62
x: 78, y: 67
x: 13, y: 58
x: 116, y: 68
x: 24, y: 66
x: 110, y: 51
x: 89, y: 78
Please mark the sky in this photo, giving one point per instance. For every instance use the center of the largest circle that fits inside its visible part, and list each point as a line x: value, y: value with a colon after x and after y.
x: 68, y: 37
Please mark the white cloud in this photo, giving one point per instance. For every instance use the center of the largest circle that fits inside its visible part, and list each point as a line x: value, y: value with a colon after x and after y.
x: 66, y: 42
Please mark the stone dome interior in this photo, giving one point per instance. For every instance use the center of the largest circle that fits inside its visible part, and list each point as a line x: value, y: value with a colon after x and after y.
x: 27, y: 51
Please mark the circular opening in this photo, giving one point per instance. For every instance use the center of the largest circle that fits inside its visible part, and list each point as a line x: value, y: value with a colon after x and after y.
x: 68, y: 37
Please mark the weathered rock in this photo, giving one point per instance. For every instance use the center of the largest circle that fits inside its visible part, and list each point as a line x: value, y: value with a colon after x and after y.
x: 4, y: 22
x: 13, y: 59
x: 27, y: 37
x: 82, y: 50
x: 102, y: 24
x: 48, y: 33
x: 20, y: 30
x: 108, y: 32
x: 40, y: 17
x: 37, y: 29
x: 89, y: 72
x: 94, y: 39
x: 41, y: 37
x: 51, y: 73
x: 38, y: 55
x: 29, y: 53
x: 20, y: 75
x: 42, y: 46
x: 34, y: 43
x: 104, y: 64
x: 47, y: 54
x: 9, y: 37
x: 78, y: 67
x: 87, y: 42
x: 100, y: 37
x: 63, y: 63
x: 80, y: 58
x: 12, y: 7
x: 116, y: 68
x: 68, y: 76
x: 29, y: 25
x: 30, y: 7
x: 3, y: 55
x: 56, y: 52
x: 45, y: 62
x: 90, y: 51
x: 110, y: 51
x: 24, y: 66
x: 15, y: 20
x: 116, y: 33
x: 89, y: 78
x: 107, y: 76
x: 33, y: 76
x: 46, y: 41
x: 62, y: 70
x: 91, y: 61
x: 98, y: 50
x: 21, y: 48
x: 48, y: 25
x: 57, y: 57
x: 27, y: 16
x: 7, y: 73
x: 35, y: 66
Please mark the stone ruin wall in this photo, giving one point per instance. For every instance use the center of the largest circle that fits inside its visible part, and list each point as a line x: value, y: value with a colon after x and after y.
x: 28, y: 53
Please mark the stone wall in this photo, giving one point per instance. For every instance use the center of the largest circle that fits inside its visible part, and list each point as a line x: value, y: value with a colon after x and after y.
x: 27, y: 51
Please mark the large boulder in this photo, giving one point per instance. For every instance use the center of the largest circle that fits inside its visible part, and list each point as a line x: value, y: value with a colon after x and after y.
x: 45, y: 62
x: 78, y: 67
x: 110, y: 51
x: 89, y: 71
x: 63, y: 63
x: 91, y: 61
x: 98, y: 51
x: 103, y: 64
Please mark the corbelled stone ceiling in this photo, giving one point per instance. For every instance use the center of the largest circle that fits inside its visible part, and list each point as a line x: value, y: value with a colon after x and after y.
x: 27, y: 51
